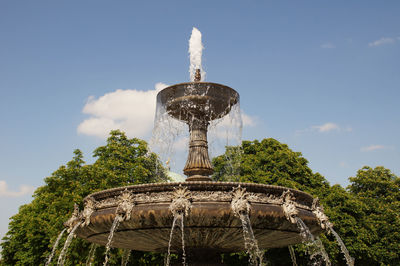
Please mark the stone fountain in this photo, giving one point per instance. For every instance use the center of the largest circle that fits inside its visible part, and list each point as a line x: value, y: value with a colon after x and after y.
x: 215, y: 217
x: 211, y: 210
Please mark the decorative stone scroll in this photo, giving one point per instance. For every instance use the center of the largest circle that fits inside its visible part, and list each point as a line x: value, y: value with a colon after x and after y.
x: 125, y: 205
x: 318, y: 211
x: 76, y: 217
x: 288, y: 206
x: 181, y: 202
x: 90, y: 207
x: 239, y: 203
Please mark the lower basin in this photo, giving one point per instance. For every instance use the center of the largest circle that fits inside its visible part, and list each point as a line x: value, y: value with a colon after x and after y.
x: 210, y: 224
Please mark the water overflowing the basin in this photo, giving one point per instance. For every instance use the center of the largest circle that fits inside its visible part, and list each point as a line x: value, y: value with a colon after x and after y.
x: 55, y: 247
x: 61, y: 258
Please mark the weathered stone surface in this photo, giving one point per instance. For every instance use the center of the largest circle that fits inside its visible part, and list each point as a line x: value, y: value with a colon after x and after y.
x: 211, y: 223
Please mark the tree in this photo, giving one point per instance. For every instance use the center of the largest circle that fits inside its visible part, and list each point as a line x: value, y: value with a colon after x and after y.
x: 379, y: 191
x: 34, y: 229
x: 365, y: 215
x: 269, y: 162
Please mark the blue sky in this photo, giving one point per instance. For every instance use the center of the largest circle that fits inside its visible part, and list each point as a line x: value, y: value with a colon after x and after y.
x: 321, y: 76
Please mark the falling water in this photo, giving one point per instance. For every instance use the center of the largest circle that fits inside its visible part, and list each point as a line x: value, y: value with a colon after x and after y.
x: 250, y: 242
x: 195, y: 52
x: 110, y: 238
x: 125, y: 257
x: 55, y: 247
x: 61, y: 258
x: 349, y: 259
x: 304, y: 231
x: 170, y: 239
x: 170, y: 138
x: 183, y: 242
x: 176, y: 217
x: 315, y: 247
x: 227, y: 132
x: 90, y: 257
x: 292, y: 255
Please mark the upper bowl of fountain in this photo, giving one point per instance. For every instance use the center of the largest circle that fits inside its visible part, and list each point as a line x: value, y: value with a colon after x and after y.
x: 205, y: 100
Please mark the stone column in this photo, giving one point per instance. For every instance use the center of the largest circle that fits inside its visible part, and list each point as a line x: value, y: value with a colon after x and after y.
x: 198, y: 166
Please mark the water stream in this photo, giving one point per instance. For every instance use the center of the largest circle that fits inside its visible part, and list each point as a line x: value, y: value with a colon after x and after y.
x: 170, y: 240
x: 183, y: 242
x: 125, y: 257
x: 292, y: 255
x: 349, y: 259
x: 250, y: 242
x: 110, y: 238
x: 55, y: 247
x: 314, y: 246
x: 177, y: 216
x: 61, y: 258
x: 91, y: 254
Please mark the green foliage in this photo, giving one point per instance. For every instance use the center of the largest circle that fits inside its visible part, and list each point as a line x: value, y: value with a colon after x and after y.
x: 34, y: 229
x: 269, y: 162
x: 378, y: 190
x: 365, y: 215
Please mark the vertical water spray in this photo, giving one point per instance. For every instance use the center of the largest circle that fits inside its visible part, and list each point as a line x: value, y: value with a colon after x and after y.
x: 61, y: 258
x: 55, y: 247
x: 195, y: 53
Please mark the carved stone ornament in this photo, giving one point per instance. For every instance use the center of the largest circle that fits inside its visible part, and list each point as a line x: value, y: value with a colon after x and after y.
x: 125, y: 205
x: 90, y: 207
x: 76, y: 216
x: 239, y: 202
x: 318, y: 211
x: 181, y: 201
x: 288, y: 206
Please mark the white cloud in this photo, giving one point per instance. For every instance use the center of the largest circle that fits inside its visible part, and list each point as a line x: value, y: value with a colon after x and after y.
x: 23, y: 190
x: 328, y: 45
x: 326, y: 127
x: 248, y: 120
x: 382, y: 41
x: 373, y: 148
x: 131, y: 111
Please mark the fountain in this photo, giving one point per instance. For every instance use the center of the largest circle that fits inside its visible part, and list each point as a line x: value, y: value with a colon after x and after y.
x: 213, y: 217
